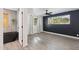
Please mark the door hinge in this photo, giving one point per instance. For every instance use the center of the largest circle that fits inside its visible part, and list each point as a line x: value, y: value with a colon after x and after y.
x: 21, y: 26
x: 21, y: 12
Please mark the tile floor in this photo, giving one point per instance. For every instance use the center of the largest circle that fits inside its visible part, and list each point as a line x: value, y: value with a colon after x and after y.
x: 45, y: 41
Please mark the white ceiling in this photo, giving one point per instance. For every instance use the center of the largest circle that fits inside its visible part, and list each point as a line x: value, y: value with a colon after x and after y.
x: 59, y: 10
x: 41, y: 11
x: 15, y: 9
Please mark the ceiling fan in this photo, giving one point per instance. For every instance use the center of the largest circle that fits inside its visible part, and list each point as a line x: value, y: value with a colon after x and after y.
x: 48, y: 13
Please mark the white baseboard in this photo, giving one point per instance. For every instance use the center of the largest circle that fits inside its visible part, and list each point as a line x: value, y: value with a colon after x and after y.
x: 34, y: 33
x: 62, y: 35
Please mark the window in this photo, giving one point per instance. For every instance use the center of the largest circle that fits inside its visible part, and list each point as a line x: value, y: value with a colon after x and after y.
x: 65, y: 19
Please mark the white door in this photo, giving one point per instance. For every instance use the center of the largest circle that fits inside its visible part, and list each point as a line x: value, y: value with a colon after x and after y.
x: 35, y: 24
x: 20, y: 24
x: 23, y: 26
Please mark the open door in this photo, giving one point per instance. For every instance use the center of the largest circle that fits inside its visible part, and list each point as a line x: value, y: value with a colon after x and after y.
x: 20, y: 26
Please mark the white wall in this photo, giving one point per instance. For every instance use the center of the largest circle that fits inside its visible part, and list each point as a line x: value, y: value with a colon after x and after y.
x: 11, y: 15
x: 27, y: 12
x: 40, y: 27
x: 38, y: 11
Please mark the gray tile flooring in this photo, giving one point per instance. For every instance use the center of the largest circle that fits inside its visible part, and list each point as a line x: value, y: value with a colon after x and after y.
x: 15, y: 45
x: 45, y: 41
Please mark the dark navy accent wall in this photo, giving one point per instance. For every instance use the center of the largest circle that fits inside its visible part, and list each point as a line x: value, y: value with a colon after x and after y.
x: 68, y: 29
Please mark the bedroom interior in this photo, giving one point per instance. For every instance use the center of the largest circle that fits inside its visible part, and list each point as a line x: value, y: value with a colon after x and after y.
x: 41, y: 29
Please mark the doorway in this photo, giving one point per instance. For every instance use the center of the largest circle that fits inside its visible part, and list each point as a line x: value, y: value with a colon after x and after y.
x: 10, y: 26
